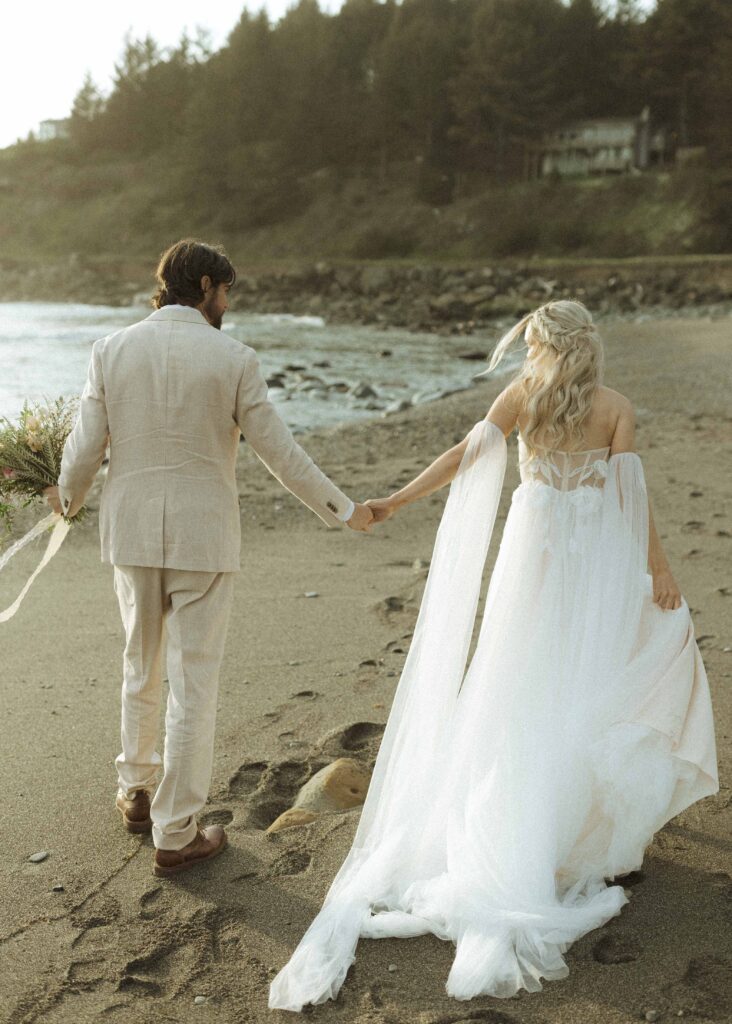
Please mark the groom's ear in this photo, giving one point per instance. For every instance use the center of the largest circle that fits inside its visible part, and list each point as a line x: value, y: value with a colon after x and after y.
x: 206, y: 283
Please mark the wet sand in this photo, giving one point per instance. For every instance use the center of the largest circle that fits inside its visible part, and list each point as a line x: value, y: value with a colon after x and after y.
x: 307, y: 679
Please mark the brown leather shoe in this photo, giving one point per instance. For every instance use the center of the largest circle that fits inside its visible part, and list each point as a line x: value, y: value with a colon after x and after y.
x: 206, y: 844
x: 135, y: 811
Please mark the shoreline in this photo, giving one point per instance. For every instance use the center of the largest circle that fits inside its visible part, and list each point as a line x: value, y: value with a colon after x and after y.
x: 461, y: 297
x: 306, y: 679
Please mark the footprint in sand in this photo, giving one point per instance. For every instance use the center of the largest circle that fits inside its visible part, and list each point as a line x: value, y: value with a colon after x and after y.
x: 175, y: 953
x: 151, y: 903
x: 291, y: 862
x: 705, y: 988
x: 98, y: 910
x: 360, y: 738
x: 616, y: 948
x: 268, y: 789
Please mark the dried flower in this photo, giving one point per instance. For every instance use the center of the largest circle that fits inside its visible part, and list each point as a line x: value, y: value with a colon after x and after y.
x: 32, y: 448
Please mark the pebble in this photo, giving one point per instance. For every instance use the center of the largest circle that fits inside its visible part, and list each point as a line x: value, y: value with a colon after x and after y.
x: 652, y: 1015
x: 58, y: 888
x: 311, y: 593
x: 199, y: 1000
x: 36, y: 858
x: 392, y: 967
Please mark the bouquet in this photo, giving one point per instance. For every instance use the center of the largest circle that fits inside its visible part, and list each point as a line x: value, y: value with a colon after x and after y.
x: 30, y: 461
x: 30, y: 454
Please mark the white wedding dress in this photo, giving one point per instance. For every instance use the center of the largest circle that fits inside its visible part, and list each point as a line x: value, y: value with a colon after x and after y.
x: 504, y: 796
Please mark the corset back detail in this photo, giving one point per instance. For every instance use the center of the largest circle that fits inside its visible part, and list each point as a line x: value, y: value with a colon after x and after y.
x: 563, y: 470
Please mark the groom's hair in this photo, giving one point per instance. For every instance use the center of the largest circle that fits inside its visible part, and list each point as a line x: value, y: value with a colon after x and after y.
x: 181, y: 268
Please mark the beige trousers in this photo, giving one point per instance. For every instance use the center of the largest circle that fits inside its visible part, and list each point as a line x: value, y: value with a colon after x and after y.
x: 193, y: 609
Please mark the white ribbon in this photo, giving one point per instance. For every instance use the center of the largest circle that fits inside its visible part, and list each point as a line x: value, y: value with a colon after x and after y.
x: 60, y: 529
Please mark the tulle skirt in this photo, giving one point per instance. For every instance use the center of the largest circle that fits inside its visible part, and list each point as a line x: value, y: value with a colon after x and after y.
x: 506, y: 795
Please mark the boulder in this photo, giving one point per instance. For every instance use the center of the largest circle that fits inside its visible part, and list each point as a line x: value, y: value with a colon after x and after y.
x: 363, y: 390
x: 337, y: 787
x: 375, y: 279
x: 293, y: 817
x: 448, y: 305
x: 400, y: 405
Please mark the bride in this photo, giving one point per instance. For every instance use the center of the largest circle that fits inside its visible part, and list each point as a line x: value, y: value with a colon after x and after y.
x: 504, y: 798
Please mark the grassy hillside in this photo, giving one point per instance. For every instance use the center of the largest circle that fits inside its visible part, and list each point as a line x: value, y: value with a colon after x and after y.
x: 50, y: 207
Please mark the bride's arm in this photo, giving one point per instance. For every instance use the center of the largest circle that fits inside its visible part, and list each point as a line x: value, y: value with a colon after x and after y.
x: 666, y: 591
x: 503, y: 413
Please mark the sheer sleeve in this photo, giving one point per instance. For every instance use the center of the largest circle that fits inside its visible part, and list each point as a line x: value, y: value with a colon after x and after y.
x: 409, y: 767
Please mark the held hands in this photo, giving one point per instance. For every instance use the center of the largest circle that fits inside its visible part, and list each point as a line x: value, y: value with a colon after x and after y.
x: 370, y: 512
x: 362, y: 519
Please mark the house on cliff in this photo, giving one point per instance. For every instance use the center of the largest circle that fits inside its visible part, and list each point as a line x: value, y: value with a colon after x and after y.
x: 54, y: 128
x: 602, y: 145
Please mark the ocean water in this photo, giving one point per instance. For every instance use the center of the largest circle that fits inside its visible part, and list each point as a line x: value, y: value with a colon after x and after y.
x: 45, y: 348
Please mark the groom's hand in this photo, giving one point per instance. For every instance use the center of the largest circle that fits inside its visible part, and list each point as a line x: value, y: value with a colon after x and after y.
x: 51, y: 496
x: 362, y: 519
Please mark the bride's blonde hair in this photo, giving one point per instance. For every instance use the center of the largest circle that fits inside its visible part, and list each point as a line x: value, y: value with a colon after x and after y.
x: 559, y: 381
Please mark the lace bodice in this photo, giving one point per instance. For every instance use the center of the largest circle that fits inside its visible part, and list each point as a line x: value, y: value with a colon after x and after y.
x: 566, y: 471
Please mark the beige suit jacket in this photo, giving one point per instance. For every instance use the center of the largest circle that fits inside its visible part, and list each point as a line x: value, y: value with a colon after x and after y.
x: 171, y: 396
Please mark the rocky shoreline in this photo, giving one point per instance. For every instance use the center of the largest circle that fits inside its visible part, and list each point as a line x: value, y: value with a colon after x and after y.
x: 418, y: 296
x: 464, y: 299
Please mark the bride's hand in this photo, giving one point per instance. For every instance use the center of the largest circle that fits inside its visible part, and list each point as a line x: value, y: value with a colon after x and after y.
x: 666, y: 592
x: 381, y: 508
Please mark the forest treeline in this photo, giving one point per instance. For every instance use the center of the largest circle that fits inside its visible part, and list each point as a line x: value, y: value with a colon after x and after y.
x: 452, y: 88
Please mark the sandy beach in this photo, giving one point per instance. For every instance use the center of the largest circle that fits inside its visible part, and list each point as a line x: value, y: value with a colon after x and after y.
x: 306, y: 680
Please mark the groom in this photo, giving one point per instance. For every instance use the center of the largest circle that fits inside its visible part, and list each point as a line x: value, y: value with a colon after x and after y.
x: 171, y: 395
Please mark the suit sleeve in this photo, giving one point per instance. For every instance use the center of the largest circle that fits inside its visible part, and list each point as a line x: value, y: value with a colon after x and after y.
x: 87, y: 443
x: 273, y: 443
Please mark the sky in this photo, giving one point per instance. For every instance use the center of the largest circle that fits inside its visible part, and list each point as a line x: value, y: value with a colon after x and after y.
x: 47, y: 47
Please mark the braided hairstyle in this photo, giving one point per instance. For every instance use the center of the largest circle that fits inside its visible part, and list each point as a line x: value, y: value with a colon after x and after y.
x: 559, y: 378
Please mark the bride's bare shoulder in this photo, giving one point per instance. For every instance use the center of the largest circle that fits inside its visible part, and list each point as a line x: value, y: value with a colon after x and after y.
x: 613, y: 405
x: 620, y: 417
x: 613, y: 399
